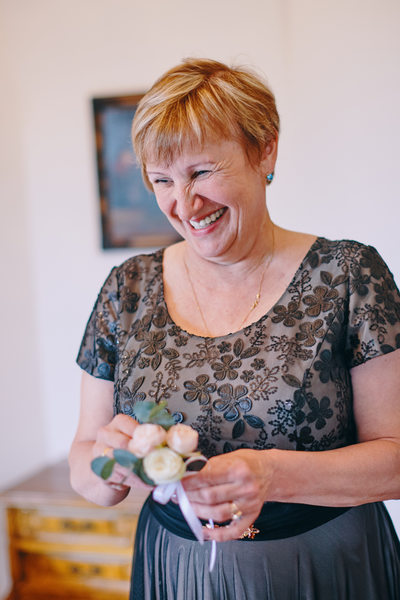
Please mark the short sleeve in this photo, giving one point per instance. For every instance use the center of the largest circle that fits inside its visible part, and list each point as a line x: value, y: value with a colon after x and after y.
x: 374, y: 308
x: 98, y: 352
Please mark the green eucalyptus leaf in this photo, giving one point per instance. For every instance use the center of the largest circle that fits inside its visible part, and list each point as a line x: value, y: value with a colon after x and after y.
x: 157, y: 408
x: 164, y: 419
x: 107, y: 469
x: 160, y: 415
x: 125, y: 458
x: 142, y: 410
x: 98, y: 464
x: 136, y: 467
x: 148, y: 411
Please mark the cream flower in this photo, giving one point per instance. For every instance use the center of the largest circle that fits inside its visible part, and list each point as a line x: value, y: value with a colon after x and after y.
x: 145, y: 438
x: 164, y: 466
x: 182, y: 438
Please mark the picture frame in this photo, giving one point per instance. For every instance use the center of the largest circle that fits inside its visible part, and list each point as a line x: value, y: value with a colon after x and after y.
x: 130, y: 216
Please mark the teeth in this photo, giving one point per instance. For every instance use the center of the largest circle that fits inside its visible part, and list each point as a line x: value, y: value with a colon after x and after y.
x: 207, y: 220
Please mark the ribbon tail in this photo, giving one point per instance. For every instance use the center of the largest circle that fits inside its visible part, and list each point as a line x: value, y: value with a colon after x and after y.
x: 189, y: 514
x: 163, y: 493
x: 213, y: 554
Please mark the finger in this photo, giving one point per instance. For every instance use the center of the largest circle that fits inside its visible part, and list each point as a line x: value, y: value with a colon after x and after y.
x: 218, y: 472
x: 224, y: 512
x: 207, y: 477
x: 123, y: 476
x: 210, y: 495
x: 233, y: 531
x: 117, y: 481
x: 107, y: 442
x: 116, y: 434
x: 124, y: 424
x: 120, y: 473
x: 139, y: 483
x: 217, y: 494
x: 220, y: 513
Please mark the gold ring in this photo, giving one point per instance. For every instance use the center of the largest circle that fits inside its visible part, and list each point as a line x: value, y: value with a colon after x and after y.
x: 236, y: 512
x: 104, y: 453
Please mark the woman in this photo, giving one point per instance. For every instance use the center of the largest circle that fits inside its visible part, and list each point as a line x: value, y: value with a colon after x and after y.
x: 269, y: 343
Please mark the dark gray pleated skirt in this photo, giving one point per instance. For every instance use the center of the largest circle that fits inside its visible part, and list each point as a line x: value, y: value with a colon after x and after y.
x: 355, y: 556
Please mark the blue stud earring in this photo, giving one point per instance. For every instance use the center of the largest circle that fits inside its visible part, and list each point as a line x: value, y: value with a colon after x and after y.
x: 270, y: 177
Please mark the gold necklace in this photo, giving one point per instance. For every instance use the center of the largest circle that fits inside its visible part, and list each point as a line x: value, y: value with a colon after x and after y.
x: 256, y: 299
x: 195, y: 298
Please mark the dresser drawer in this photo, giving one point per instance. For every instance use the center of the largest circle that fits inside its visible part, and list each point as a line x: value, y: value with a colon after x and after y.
x: 78, y: 567
x: 48, y: 522
x: 49, y: 588
x: 62, y: 547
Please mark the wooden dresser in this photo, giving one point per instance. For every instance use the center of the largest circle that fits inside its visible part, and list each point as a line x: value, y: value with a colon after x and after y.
x: 62, y: 547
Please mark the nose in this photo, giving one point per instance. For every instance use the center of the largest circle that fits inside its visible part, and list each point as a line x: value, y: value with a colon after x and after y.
x: 187, y: 201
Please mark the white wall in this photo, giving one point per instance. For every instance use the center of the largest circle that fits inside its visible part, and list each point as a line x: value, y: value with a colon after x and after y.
x: 339, y: 162
x: 333, y: 65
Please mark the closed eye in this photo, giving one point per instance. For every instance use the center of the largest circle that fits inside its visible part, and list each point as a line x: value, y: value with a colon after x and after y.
x: 200, y: 173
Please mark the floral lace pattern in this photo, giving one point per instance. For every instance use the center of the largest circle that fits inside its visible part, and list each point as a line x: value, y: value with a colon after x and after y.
x: 282, y: 382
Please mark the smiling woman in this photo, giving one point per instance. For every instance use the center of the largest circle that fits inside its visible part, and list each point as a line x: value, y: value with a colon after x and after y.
x: 204, y: 195
x: 277, y: 347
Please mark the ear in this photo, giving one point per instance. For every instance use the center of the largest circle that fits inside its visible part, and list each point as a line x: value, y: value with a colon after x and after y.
x: 269, y: 156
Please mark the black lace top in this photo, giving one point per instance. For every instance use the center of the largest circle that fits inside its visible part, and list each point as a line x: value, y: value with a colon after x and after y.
x: 282, y: 382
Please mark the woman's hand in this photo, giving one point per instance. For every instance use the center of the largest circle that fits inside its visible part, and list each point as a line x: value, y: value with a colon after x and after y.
x: 116, y: 435
x: 237, y: 482
x: 99, y: 433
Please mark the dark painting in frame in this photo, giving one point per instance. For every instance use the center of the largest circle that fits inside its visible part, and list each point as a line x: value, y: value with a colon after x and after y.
x: 130, y: 216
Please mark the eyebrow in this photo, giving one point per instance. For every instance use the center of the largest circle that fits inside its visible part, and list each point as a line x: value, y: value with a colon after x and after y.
x: 189, y: 167
x: 154, y: 172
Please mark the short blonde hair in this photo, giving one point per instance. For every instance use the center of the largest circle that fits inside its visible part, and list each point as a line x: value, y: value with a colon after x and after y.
x: 199, y: 99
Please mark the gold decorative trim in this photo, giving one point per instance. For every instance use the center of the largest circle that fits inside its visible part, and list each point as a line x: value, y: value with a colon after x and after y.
x: 250, y: 532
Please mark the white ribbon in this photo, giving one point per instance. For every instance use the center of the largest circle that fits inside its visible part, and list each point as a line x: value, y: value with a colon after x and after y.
x: 163, y: 494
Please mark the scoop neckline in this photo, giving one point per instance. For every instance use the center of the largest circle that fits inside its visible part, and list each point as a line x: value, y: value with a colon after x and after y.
x: 260, y: 320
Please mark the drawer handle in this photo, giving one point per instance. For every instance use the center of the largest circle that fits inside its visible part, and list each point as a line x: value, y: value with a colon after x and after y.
x: 85, y: 569
x: 80, y: 526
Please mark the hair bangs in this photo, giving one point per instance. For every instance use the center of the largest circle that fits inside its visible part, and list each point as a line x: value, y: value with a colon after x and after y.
x: 188, y: 123
x: 203, y: 100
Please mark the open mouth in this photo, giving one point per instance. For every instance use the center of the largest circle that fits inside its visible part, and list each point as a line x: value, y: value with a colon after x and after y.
x: 203, y: 223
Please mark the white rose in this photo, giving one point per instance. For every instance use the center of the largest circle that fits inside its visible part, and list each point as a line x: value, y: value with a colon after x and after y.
x: 145, y: 438
x: 182, y: 438
x: 164, y: 466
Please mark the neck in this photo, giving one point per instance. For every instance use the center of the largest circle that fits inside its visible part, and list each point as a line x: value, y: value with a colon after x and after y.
x: 248, y: 276
x: 232, y: 268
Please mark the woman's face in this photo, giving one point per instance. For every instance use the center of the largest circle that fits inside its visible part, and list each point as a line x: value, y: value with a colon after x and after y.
x: 214, y: 197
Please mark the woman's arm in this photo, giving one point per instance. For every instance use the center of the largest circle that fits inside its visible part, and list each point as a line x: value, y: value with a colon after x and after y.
x: 365, y: 472
x: 97, y: 432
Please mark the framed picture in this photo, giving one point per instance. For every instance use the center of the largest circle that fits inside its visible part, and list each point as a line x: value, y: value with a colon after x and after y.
x: 130, y: 216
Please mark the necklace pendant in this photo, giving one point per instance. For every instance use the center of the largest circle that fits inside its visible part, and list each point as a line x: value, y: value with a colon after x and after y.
x: 256, y: 301
x: 250, y: 533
